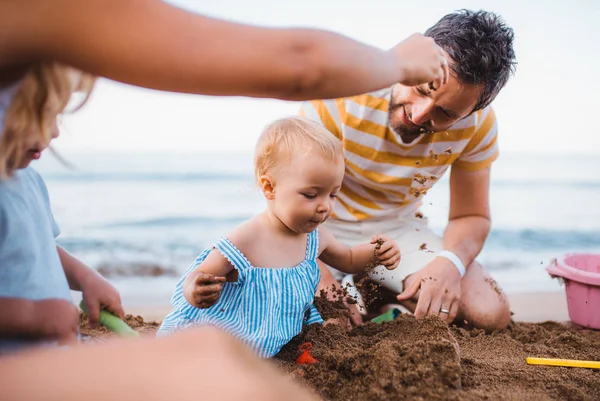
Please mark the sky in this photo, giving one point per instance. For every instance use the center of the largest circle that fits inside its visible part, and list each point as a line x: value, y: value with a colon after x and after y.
x: 547, y: 107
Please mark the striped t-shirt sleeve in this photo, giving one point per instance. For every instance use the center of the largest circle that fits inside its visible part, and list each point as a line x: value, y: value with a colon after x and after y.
x: 324, y: 112
x: 482, y: 149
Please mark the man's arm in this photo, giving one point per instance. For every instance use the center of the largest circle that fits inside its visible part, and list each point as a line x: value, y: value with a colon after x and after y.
x: 469, y: 219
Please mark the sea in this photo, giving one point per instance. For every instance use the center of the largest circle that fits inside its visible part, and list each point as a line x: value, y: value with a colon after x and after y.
x: 141, y: 219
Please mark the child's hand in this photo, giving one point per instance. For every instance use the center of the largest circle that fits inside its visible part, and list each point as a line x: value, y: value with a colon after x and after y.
x: 422, y: 61
x: 204, y: 290
x: 56, y: 319
x: 388, y: 254
x: 99, y: 294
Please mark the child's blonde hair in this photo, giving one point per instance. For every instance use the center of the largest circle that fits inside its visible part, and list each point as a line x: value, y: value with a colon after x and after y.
x: 293, y: 136
x: 42, y: 95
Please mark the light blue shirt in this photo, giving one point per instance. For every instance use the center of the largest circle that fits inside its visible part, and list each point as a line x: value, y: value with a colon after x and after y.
x: 29, y: 263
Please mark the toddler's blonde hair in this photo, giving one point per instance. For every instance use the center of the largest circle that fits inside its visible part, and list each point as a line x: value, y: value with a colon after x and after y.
x: 42, y: 95
x: 293, y: 136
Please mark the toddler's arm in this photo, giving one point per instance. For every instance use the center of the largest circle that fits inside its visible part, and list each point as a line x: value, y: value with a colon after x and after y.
x: 53, y: 319
x: 202, y: 287
x: 381, y: 251
x: 97, y: 292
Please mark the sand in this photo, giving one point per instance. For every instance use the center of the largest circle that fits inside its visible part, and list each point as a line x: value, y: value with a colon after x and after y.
x: 426, y: 359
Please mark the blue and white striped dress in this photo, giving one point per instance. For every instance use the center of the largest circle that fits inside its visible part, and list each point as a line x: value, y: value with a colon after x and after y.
x: 265, y: 308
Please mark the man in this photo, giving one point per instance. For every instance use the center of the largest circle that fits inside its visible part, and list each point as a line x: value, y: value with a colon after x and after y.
x: 398, y: 142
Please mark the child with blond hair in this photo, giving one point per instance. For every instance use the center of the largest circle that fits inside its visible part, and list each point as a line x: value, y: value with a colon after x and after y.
x: 259, y: 282
x: 36, y: 274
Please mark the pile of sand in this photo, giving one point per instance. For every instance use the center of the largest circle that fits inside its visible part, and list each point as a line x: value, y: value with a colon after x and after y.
x: 424, y: 359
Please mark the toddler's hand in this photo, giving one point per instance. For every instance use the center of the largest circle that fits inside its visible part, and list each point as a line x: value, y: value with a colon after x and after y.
x: 388, y: 254
x: 99, y: 294
x: 204, y: 290
x: 422, y: 61
x: 57, y: 319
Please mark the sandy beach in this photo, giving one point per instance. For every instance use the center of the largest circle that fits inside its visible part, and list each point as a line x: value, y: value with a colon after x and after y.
x: 426, y: 359
x: 527, y: 307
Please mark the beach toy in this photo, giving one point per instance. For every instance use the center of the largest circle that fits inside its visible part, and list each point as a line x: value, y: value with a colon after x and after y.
x: 113, y: 323
x: 387, y: 316
x: 305, y: 357
x: 581, y: 275
x: 564, y: 362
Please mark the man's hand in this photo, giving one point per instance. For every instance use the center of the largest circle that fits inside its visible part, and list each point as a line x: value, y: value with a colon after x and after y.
x: 99, y: 294
x: 56, y: 319
x: 439, y: 283
x: 388, y: 254
x: 203, y: 290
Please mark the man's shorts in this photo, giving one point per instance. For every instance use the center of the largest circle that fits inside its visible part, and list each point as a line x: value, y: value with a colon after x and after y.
x: 418, y: 245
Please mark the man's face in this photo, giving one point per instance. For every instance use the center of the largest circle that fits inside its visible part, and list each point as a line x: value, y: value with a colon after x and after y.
x: 415, y: 109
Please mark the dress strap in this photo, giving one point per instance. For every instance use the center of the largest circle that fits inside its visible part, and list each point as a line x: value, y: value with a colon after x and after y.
x: 312, y: 245
x: 232, y: 254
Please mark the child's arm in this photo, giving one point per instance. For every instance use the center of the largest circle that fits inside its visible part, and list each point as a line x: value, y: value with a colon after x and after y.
x: 202, y: 287
x: 97, y: 292
x: 54, y: 319
x: 159, y: 46
x: 357, y: 258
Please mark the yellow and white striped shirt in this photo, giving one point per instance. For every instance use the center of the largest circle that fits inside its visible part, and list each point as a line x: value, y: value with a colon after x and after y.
x: 386, y: 177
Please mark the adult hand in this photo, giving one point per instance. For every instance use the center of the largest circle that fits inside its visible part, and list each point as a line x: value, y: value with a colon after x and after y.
x: 439, y: 283
x: 421, y: 61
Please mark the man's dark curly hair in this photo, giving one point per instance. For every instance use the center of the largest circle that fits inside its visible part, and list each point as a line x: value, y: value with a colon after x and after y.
x: 480, y: 46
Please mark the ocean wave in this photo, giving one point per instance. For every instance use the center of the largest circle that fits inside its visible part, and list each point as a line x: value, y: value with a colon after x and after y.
x: 149, y: 177
x: 178, y: 222
x: 543, y: 239
x: 156, y: 176
x: 501, y: 242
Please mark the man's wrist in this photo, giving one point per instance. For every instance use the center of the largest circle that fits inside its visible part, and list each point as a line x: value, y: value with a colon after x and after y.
x: 451, y: 256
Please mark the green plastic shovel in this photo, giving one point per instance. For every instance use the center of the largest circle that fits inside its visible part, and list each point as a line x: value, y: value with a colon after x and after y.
x: 113, y: 323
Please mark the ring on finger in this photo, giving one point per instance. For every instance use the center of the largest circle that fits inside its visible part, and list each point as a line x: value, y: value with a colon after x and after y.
x: 444, y: 310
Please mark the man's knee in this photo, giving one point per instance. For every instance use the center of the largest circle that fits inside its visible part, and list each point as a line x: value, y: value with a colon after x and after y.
x: 484, y: 304
x: 488, y: 317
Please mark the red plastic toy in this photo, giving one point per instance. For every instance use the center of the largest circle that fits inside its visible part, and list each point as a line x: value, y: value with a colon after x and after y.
x: 305, y: 357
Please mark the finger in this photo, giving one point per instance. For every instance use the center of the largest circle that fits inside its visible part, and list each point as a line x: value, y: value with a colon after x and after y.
x: 393, y: 262
x: 206, y: 290
x: 386, y: 246
x: 93, y: 312
x: 204, y: 278
x: 116, y: 308
x: 444, y: 313
x: 435, y: 306
x: 355, y: 316
x: 410, y: 291
x: 453, y: 311
x: 387, y: 255
x: 423, y: 304
x: 208, y: 300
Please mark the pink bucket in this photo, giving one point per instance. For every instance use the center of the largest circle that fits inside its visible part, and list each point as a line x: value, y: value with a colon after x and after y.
x: 581, y: 274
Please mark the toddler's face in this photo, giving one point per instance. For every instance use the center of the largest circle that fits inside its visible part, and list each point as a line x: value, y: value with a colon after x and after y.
x: 306, y: 190
x: 34, y: 147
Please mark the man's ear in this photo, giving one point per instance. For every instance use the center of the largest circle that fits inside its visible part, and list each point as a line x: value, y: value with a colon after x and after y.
x: 267, y: 185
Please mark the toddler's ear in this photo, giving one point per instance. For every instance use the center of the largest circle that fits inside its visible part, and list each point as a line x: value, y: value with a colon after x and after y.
x: 267, y: 185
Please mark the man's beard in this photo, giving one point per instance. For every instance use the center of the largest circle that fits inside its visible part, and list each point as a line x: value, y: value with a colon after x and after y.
x: 400, y: 128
